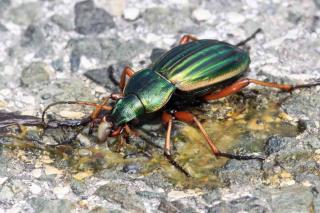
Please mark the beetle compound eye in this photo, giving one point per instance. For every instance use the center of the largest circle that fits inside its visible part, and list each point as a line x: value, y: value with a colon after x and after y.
x: 104, y: 130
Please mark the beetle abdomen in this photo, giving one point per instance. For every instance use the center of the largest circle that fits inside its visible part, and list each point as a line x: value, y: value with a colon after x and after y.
x: 202, y: 63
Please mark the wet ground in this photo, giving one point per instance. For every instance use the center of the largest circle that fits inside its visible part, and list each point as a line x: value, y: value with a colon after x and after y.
x: 56, y: 50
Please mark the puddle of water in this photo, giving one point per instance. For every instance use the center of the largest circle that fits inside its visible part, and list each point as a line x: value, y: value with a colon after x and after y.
x: 232, y: 127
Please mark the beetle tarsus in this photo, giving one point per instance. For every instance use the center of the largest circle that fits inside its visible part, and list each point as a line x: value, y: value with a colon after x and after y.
x: 241, y: 157
x: 176, y: 165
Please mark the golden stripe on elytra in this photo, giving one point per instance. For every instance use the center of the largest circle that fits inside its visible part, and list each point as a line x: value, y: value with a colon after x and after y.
x: 192, y: 86
x: 184, y: 74
x: 200, y: 63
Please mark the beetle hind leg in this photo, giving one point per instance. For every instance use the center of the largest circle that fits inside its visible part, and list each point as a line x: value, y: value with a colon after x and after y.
x: 190, y: 118
x: 240, y: 84
x: 187, y: 38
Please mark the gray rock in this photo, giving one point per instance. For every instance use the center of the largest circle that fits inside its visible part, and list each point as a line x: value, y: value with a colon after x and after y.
x: 4, y: 4
x: 100, y: 76
x: 317, y: 2
x: 100, y: 209
x: 156, y: 53
x: 166, y: 206
x: 36, y: 72
x: 40, y: 205
x: 26, y: 13
x: 78, y: 187
x: 150, y: 194
x: 64, y: 22
x: 102, y: 50
x: 305, y: 105
x: 58, y: 64
x: 159, y: 19
x: 3, y: 28
x: 292, y: 199
x: 242, y: 204
x: 275, y: 144
x: 243, y: 172
x: 6, y: 193
x: 33, y: 36
x: 90, y: 19
x: 120, y: 194
x: 132, y: 168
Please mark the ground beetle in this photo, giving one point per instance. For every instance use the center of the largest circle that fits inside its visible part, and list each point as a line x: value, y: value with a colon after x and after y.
x: 196, y: 69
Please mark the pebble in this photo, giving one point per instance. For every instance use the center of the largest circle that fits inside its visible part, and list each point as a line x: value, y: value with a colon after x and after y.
x: 201, y: 14
x: 90, y: 19
x: 36, y: 72
x: 35, y: 189
x: 71, y: 114
x: 61, y: 191
x: 3, y: 180
x: 63, y: 22
x: 131, y: 14
x: 235, y: 18
x: 50, y: 170
x: 36, y: 173
x: 84, y: 152
x: 83, y: 175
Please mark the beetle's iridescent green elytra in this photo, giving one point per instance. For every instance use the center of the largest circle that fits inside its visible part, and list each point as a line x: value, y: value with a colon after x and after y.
x: 194, y: 66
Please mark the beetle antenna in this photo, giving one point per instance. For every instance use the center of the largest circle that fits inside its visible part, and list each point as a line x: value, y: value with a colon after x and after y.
x: 252, y: 36
x: 108, y: 108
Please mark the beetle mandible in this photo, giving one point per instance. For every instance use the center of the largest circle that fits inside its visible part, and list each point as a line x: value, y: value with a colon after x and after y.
x: 203, y: 69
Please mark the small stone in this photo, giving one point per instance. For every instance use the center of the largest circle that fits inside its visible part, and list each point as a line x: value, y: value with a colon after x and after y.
x: 50, y: 170
x: 118, y: 193
x: 90, y: 19
x: 35, y: 189
x: 132, y: 168
x: 36, y: 72
x: 36, y: 173
x: 201, y: 14
x: 252, y: 3
x: 71, y: 114
x: 41, y: 205
x: 176, y: 195
x: 3, y: 180
x: 317, y: 2
x: 84, y: 152
x: 6, y: 193
x: 4, y: 4
x: 33, y: 36
x: 57, y: 64
x: 235, y: 18
x: 26, y: 13
x: 64, y: 22
x: 292, y: 198
x: 83, y: 175
x: 100, y: 76
x: 46, y: 96
x: 3, y: 104
x: 131, y: 14
x: 61, y: 191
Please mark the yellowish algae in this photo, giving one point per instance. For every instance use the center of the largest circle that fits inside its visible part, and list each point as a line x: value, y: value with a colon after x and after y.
x: 232, y: 127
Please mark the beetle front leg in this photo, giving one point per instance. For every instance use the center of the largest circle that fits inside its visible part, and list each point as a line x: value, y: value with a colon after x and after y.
x: 127, y: 71
x: 190, y: 118
x: 187, y: 38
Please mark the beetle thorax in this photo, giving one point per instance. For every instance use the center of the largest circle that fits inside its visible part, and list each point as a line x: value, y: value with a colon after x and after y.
x: 126, y: 109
